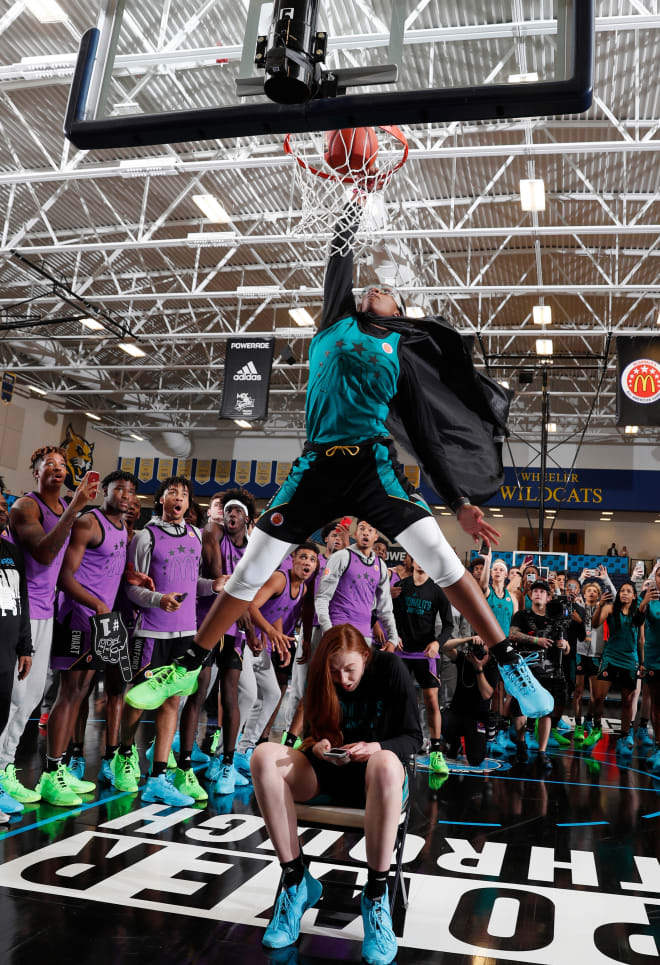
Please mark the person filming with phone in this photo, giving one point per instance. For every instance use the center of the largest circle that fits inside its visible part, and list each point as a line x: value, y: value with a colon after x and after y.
x: 649, y: 607
x: 363, y: 725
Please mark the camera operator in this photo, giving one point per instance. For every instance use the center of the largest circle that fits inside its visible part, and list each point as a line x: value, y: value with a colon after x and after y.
x: 534, y: 631
x: 467, y: 716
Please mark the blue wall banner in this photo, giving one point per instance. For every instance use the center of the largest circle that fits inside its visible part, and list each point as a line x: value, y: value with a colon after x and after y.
x: 589, y: 489
x: 7, y: 390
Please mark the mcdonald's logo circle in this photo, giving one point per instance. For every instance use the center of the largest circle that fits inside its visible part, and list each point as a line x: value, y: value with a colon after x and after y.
x: 640, y: 381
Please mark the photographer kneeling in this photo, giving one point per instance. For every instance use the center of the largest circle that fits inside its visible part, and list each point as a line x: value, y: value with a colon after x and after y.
x: 361, y: 712
x: 467, y: 716
x: 536, y: 632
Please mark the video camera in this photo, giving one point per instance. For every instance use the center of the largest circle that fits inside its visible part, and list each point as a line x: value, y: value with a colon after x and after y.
x: 559, y: 611
x: 477, y: 649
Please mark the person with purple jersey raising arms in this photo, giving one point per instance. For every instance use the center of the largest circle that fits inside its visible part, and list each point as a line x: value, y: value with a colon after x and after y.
x: 40, y: 524
x: 169, y: 550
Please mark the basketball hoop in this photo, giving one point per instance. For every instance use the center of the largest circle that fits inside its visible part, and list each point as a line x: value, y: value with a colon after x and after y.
x: 325, y: 188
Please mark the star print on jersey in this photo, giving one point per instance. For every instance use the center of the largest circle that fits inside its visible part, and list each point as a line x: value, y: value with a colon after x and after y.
x: 359, y: 348
x: 340, y: 343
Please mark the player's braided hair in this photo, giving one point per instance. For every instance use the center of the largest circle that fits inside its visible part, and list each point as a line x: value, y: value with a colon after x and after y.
x: 39, y: 454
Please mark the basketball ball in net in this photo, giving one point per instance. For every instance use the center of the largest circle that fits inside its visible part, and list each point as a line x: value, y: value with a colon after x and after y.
x: 352, y: 150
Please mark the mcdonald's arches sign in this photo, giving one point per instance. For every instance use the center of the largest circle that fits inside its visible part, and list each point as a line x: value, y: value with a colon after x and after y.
x: 638, y: 380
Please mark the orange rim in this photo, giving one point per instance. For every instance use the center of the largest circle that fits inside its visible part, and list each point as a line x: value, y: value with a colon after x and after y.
x: 378, y: 179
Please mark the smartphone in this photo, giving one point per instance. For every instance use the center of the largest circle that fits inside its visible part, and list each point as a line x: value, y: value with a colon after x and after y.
x: 543, y: 572
x: 527, y: 561
x: 484, y: 549
x: 336, y: 755
x: 346, y: 521
x: 180, y: 596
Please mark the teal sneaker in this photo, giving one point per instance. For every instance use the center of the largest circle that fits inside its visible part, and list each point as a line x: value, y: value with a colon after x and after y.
x: 533, y: 699
x: 76, y: 767
x: 644, y: 739
x: 212, y: 772
x: 228, y: 779
x: 171, y: 759
x: 105, y: 773
x: 197, y: 757
x: 11, y: 785
x: 9, y: 804
x: 162, y: 791
x: 242, y: 762
x: 123, y: 774
x: 654, y: 762
x: 290, y: 906
x: 170, y: 681
x: 562, y: 725
x: 379, y: 946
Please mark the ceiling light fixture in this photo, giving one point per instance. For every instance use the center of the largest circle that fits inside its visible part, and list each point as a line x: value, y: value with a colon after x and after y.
x: 211, y: 208
x: 631, y: 430
x: 212, y: 239
x: 148, y: 167
x: 551, y: 426
x: 92, y: 324
x: 544, y: 346
x: 47, y: 11
x: 258, y: 291
x: 132, y: 349
x: 135, y: 436
x: 243, y: 424
x: 529, y: 78
x: 504, y: 383
x: 90, y: 415
x: 35, y: 388
x: 542, y: 314
x: 301, y: 316
x: 532, y: 194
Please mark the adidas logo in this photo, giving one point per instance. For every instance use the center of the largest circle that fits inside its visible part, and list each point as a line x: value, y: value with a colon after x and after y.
x: 248, y: 373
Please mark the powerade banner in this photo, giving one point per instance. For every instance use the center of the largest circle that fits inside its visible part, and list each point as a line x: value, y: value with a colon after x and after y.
x: 248, y: 364
x: 590, y: 489
x: 638, y: 380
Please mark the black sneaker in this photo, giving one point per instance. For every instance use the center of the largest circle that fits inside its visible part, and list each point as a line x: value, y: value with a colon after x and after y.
x: 544, y: 761
x: 522, y: 754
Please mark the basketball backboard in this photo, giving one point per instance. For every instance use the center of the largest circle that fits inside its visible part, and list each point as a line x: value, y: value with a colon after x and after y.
x: 156, y: 72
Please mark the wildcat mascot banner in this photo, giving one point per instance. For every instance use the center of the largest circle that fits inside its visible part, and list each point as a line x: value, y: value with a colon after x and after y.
x: 79, y: 457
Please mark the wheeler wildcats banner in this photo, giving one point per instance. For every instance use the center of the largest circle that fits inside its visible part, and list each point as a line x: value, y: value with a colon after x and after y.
x: 638, y: 380
x: 248, y: 364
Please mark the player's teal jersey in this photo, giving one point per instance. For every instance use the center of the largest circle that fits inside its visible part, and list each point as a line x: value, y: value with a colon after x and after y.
x: 621, y: 644
x: 652, y: 635
x: 352, y: 379
x: 502, y: 607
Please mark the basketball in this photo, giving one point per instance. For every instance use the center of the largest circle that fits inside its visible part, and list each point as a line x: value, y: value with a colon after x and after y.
x: 352, y: 150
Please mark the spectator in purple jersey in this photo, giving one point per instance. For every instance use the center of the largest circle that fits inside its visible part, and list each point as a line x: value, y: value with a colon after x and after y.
x: 224, y: 542
x: 91, y: 573
x: 275, y: 613
x: 40, y: 524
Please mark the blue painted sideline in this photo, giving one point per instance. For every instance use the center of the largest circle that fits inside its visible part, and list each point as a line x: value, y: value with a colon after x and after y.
x: 582, y: 824
x: 472, y: 824
x: 656, y: 814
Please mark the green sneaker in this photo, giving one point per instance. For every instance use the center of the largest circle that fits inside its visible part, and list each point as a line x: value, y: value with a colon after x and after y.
x: 135, y: 763
x: 559, y: 737
x: 55, y: 788
x: 215, y: 741
x: 170, y: 681
x: 283, y: 737
x: 297, y: 742
x: 187, y: 783
x: 123, y: 773
x: 438, y: 763
x: 436, y: 780
x: 578, y: 734
x: 593, y: 737
x: 11, y: 785
x: 78, y: 786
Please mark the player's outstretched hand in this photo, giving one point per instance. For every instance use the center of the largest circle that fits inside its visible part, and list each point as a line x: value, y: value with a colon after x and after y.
x: 473, y: 522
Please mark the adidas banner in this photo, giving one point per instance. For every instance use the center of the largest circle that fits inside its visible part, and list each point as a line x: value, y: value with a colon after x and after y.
x: 248, y: 363
x: 638, y: 380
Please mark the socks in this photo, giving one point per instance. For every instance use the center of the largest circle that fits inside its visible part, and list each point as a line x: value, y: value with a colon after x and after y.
x: 643, y: 723
x: 110, y: 751
x: 376, y: 884
x: 578, y: 721
x: 293, y: 871
x: 228, y: 757
x: 77, y: 750
x: 52, y: 763
x: 193, y: 657
x: 185, y: 761
x: 158, y: 768
x: 125, y: 750
x: 291, y: 739
x: 437, y: 743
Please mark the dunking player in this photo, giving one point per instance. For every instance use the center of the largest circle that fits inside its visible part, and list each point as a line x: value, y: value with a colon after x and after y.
x: 224, y: 542
x: 91, y: 573
x: 41, y: 525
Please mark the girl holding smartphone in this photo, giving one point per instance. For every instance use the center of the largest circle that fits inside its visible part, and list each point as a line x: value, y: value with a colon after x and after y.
x: 362, y: 703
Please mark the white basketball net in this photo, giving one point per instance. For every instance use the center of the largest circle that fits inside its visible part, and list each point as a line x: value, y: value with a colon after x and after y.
x: 324, y: 193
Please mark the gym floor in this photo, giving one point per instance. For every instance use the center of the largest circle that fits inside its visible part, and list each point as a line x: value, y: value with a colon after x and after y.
x: 506, y: 866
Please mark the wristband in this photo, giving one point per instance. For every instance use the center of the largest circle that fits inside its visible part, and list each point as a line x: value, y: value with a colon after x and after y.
x: 459, y: 503
x: 478, y: 671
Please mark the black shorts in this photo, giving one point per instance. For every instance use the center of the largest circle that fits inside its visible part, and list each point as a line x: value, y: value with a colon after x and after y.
x: 555, y: 684
x: 334, y: 480
x: 344, y: 783
x: 422, y: 673
x: 586, y: 666
x: 149, y: 654
x: 618, y: 676
x: 282, y: 673
x: 228, y: 654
